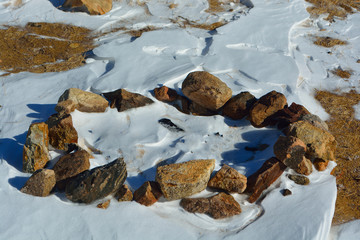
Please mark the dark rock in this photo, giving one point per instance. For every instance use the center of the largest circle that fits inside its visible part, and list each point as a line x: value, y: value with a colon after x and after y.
x: 298, y: 179
x: 228, y: 179
x: 148, y: 194
x: 239, y: 106
x: 124, y: 100
x: 286, y: 192
x: 284, y: 117
x: 40, y: 183
x: 166, y: 94
x: 104, y: 205
x: 198, y: 110
x: 124, y: 194
x: 167, y: 123
x: 290, y: 151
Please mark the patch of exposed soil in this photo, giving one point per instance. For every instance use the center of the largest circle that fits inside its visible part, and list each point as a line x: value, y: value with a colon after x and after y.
x: 334, y: 8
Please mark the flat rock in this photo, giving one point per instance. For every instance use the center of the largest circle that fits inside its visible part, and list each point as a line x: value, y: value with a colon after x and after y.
x: 166, y: 94
x: 124, y: 194
x: 97, y: 183
x: 239, y: 106
x: 206, y: 90
x: 228, y: 179
x: 123, y: 100
x: 181, y: 180
x: 40, y: 183
x: 298, y: 179
x: 93, y: 7
x: 148, y: 194
x: 36, y: 147
x: 219, y: 206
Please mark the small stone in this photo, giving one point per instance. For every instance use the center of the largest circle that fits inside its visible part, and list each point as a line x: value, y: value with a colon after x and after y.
x: 220, y: 206
x: 166, y: 94
x: 228, y: 179
x: 124, y: 194
x: 286, y: 192
x: 320, y: 164
x: 301, y: 180
x: 104, y: 205
x: 181, y: 180
x: 40, y: 183
x: 239, y: 106
x: 36, y: 147
x: 123, y: 100
x: 198, y: 110
x: 206, y: 90
x: 148, y: 194
x: 172, y: 127
x: 93, y: 7
x: 290, y: 151
x: 61, y: 131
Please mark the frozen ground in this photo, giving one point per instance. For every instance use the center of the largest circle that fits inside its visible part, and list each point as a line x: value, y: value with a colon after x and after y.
x: 261, y: 49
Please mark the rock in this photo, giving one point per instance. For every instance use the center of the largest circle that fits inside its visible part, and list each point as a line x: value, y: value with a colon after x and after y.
x: 286, y: 192
x: 181, y: 180
x: 97, y: 183
x: 148, y: 194
x: 301, y: 180
x: 284, y: 117
x: 93, y: 7
x: 228, y: 179
x: 104, y: 205
x: 40, y: 183
x: 198, y: 110
x: 320, y: 164
x: 304, y: 167
x: 74, y: 98
x: 166, y: 94
x: 315, y: 121
x: 219, y: 206
x: 265, y: 107
x: 206, y: 90
x: 290, y: 151
x: 124, y: 100
x: 61, y: 131
x: 264, y: 177
x: 319, y: 143
x: 167, y: 123
x: 36, y: 147
x: 124, y: 194
x: 239, y: 106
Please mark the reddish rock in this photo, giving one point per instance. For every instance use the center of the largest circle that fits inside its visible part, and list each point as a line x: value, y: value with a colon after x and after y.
x: 148, y: 194
x: 320, y: 164
x: 219, y: 206
x: 104, y: 205
x: 93, y: 7
x: 36, y: 147
x: 264, y: 177
x: 284, y: 117
x: 228, y: 179
x: 265, y: 107
x: 124, y: 194
x: 239, y: 106
x: 123, y: 100
x: 166, y: 94
x: 61, y: 131
x: 40, y: 183
x: 290, y: 151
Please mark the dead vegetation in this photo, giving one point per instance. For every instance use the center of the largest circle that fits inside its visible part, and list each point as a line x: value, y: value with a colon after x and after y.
x: 43, y: 47
x: 328, y: 42
x: 334, y: 8
x: 346, y: 129
x: 342, y: 73
x: 184, y: 23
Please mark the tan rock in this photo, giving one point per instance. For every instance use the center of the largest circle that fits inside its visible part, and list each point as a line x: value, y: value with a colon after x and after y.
x: 148, y: 194
x: 228, y: 179
x: 239, y: 106
x: 104, y: 205
x: 94, y: 7
x: 290, y: 151
x: 61, y: 131
x: 123, y: 100
x: 124, y: 194
x: 165, y: 94
x: 320, y: 164
x: 184, y: 179
x: 40, y: 183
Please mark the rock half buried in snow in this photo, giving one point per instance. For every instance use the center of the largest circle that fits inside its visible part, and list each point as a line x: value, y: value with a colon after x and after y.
x: 148, y: 194
x: 36, y: 148
x: 219, y: 206
x: 97, y: 183
x: 123, y: 100
x: 239, y: 106
x: 166, y: 94
x: 301, y: 180
x: 94, y: 7
x: 206, y: 90
x: 40, y: 183
x: 181, y: 180
x: 167, y: 123
x: 228, y: 179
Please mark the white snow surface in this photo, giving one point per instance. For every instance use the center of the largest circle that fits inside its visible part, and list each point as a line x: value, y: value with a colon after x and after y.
x: 267, y: 47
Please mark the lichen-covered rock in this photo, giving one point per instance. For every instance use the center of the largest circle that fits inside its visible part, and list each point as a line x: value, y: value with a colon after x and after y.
x: 228, y: 179
x: 123, y: 100
x: 93, y: 7
x: 124, y: 194
x: 148, y: 194
x: 181, y: 180
x: 298, y: 179
x: 166, y: 94
x: 239, y: 106
x: 97, y: 183
x: 40, y: 183
x: 219, y: 206
x: 36, y: 148
x: 206, y: 90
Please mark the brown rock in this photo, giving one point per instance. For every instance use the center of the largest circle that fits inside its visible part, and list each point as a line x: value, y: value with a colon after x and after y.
x: 286, y: 192
x: 228, y: 179
x: 290, y: 151
x: 93, y: 7
x: 104, y: 205
x: 320, y: 164
x: 36, y: 148
x: 74, y: 98
x: 40, y: 183
x: 239, y: 106
x: 284, y: 117
x: 166, y: 94
x: 124, y: 194
x: 219, y: 206
x: 124, y: 100
x: 301, y: 180
x: 264, y: 177
x: 184, y: 179
x: 199, y: 110
x: 206, y: 90
x: 61, y: 131
x: 265, y: 107
x: 315, y: 121
x: 148, y: 194
x: 304, y: 167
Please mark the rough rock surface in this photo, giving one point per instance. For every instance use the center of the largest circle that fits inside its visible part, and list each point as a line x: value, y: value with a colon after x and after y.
x: 36, y: 147
x: 320, y: 164
x: 61, y: 131
x: 166, y: 94
x: 239, y: 106
x: 305, y: 167
x: 181, y: 180
x: 301, y: 180
x: 94, y: 7
x: 206, y: 90
x: 264, y: 177
x: 228, y: 179
x: 74, y: 98
x: 198, y: 110
x: 97, y: 183
x: 290, y: 151
x: 123, y: 100
x: 40, y: 183
x: 104, y: 205
x: 124, y: 194
x: 265, y: 107
x: 148, y: 194
x: 288, y: 115
x: 219, y: 206
x: 315, y: 120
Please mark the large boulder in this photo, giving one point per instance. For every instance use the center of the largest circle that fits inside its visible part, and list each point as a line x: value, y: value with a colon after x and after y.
x: 123, y: 100
x: 148, y: 194
x: 97, y: 183
x: 181, y: 180
x: 40, y: 183
x: 228, y: 179
x: 239, y: 106
x: 93, y: 7
x: 61, y: 131
x: 36, y: 148
x: 206, y: 90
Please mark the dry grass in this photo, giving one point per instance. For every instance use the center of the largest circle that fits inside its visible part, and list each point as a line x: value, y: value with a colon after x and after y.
x: 328, y: 42
x: 346, y: 129
x: 184, y: 23
x: 334, y: 8
x: 216, y: 6
x: 43, y: 47
x: 342, y: 73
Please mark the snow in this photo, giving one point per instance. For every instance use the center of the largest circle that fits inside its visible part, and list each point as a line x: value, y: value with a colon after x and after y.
x: 265, y: 48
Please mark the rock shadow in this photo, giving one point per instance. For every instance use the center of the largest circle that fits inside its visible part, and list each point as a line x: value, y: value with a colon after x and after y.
x: 42, y: 111
x: 18, y: 182
x: 11, y: 150
x: 57, y: 3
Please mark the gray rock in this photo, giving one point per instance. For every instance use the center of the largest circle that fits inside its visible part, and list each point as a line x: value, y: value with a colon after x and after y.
x: 40, y: 183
